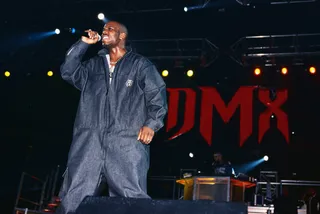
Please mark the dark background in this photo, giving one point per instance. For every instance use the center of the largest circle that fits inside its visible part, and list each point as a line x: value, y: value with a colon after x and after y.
x: 37, y: 111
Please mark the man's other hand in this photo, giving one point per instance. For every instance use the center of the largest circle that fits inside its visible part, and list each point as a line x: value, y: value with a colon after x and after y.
x: 145, y: 135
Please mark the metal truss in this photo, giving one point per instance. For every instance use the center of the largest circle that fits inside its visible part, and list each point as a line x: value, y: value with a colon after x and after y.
x: 140, y: 6
x: 36, y: 195
x: 268, y: 185
x: 198, y: 50
x: 137, y: 6
x: 291, y: 1
x: 144, y: 6
x: 272, y: 2
x: 159, y: 6
x: 271, y: 50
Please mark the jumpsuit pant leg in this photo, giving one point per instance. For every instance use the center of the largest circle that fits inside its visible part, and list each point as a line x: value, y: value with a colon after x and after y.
x: 85, y: 182
x: 126, y: 167
x: 84, y: 172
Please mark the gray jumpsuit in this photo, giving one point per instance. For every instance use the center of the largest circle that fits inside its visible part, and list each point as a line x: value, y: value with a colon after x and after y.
x: 107, y: 124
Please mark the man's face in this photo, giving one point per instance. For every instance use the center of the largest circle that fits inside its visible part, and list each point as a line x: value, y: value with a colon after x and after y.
x: 217, y: 157
x: 111, y: 34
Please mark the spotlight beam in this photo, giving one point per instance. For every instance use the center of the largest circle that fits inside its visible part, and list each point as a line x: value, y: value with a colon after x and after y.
x: 244, y: 168
x: 205, y: 3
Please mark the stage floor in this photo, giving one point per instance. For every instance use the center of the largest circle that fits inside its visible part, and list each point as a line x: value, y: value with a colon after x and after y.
x: 251, y: 210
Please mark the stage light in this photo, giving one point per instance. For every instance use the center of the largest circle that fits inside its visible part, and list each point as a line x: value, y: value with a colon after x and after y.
x: 165, y: 73
x: 7, y: 74
x: 312, y: 70
x: 50, y: 73
x: 284, y: 70
x: 191, y: 155
x: 101, y: 16
x: 190, y: 73
x: 185, y: 9
x: 57, y: 31
x: 257, y: 71
x: 265, y: 158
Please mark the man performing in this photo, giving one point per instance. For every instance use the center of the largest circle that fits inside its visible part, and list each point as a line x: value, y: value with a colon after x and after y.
x: 123, y: 103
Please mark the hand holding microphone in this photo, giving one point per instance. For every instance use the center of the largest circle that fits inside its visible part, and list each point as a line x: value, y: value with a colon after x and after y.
x: 93, y: 37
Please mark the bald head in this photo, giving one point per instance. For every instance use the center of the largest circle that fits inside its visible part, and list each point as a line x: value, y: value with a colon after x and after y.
x: 123, y: 29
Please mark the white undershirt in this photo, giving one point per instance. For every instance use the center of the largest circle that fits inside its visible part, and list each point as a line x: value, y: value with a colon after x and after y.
x: 111, y: 68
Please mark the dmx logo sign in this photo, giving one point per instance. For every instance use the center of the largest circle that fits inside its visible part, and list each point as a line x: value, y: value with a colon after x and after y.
x: 243, y: 100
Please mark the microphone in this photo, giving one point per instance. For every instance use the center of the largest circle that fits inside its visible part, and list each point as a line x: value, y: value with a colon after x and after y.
x: 82, y: 33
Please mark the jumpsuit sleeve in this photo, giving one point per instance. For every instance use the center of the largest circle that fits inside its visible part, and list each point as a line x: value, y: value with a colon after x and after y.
x: 155, y: 97
x: 73, y: 70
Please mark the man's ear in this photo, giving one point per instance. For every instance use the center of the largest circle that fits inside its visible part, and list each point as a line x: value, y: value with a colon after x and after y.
x: 123, y: 36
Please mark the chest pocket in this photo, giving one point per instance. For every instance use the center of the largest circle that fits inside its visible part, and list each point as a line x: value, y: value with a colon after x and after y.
x: 126, y: 84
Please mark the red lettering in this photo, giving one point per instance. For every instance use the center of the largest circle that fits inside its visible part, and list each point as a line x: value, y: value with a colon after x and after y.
x: 211, y: 100
x: 189, y: 111
x: 273, y: 108
x: 242, y: 99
